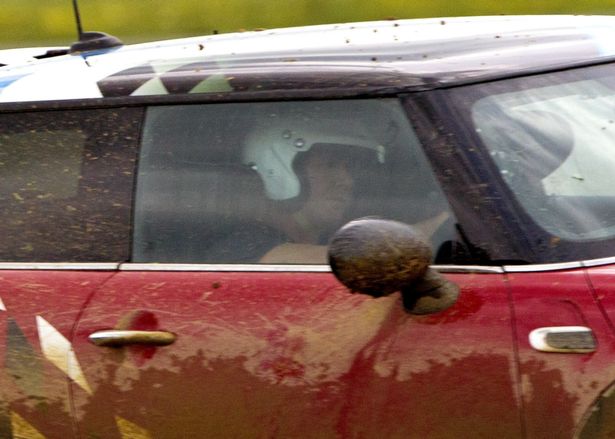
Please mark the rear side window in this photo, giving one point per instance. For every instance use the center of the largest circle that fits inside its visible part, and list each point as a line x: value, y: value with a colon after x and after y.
x: 66, y: 180
x: 271, y: 182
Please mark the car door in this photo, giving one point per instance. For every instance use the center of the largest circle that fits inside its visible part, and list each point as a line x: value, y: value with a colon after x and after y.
x: 293, y: 354
x: 222, y: 344
x: 64, y: 229
x: 566, y: 347
x: 544, y: 146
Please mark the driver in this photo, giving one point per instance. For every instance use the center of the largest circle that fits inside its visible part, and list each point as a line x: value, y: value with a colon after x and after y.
x: 329, y: 181
x: 311, y: 170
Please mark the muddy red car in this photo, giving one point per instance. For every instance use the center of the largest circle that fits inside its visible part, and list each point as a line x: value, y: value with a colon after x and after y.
x: 369, y: 230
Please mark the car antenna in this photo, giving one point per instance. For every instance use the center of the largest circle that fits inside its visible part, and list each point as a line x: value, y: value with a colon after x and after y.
x: 78, y: 19
x: 88, y: 41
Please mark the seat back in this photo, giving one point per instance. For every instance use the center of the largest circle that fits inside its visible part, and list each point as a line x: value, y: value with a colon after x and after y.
x: 182, y: 210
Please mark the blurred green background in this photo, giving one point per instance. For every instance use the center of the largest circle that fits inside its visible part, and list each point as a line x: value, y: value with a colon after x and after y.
x: 50, y: 22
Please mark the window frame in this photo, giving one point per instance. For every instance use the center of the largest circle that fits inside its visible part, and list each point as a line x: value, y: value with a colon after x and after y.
x: 437, y: 138
x: 397, y: 98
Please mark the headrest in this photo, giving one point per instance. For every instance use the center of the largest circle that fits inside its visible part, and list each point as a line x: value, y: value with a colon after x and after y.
x: 544, y: 142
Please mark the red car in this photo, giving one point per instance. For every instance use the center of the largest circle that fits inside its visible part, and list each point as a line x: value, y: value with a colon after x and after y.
x: 370, y: 230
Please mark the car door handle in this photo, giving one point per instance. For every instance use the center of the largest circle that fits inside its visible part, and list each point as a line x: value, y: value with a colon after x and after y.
x: 565, y: 339
x: 117, y: 338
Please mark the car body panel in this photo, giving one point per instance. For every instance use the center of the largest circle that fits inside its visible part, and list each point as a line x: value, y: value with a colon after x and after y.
x: 600, y: 419
x: 295, y: 354
x: 601, y: 279
x: 564, y: 383
x: 39, y: 309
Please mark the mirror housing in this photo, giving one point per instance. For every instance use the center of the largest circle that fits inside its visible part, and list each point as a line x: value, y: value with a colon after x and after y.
x: 379, y: 257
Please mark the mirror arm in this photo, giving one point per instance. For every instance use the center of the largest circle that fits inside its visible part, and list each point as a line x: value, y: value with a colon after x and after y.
x: 431, y: 294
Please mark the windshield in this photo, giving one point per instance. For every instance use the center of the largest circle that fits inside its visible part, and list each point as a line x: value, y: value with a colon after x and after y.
x: 552, y: 139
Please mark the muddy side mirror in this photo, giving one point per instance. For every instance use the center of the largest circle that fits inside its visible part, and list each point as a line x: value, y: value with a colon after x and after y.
x: 379, y: 257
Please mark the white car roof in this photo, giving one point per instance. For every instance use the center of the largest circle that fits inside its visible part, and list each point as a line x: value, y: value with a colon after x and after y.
x: 423, y: 51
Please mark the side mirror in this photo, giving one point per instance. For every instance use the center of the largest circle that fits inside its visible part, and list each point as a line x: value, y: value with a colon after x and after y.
x: 379, y: 257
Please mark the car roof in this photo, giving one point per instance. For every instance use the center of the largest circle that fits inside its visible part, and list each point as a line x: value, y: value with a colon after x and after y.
x: 368, y: 57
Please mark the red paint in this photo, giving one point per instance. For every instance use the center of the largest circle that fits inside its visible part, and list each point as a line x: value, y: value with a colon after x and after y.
x: 139, y: 320
x: 35, y: 388
x: 559, y: 389
x: 293, y: 354
x: 297, y: 355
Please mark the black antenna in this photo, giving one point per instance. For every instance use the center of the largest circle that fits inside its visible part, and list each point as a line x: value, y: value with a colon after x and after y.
x: 89, y: 41
x: 78, y: 19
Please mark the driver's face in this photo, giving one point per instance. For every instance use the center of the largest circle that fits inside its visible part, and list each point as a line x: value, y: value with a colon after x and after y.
x: 331, y: 184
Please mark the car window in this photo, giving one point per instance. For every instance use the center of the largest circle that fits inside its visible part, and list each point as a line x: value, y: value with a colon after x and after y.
x: 554, y: 144
x: 65, y: 185
x: 270, y: 182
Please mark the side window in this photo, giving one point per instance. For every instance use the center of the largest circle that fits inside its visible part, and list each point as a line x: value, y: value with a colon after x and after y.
x: 66, y: 179
x: 271, y: 182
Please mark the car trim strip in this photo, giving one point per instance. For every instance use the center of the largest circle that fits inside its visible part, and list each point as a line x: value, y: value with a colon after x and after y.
x: 85, y: 266
x: 542, y: 267
x: 213, y: 267
x: 286, y: 268
x: 307, y: 268
x: 225, y: 267
x: 597, y: 262
x: 467, y: 269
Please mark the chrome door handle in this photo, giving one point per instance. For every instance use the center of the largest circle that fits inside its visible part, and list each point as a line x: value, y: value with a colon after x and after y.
x: 116, y: 338
x: 565, y: 339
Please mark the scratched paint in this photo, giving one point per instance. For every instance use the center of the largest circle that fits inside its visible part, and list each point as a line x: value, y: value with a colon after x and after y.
x: 269, y: 355
x: 30, y: 385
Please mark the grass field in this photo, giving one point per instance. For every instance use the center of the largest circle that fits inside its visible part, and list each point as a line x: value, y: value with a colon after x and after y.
x: 28, y: 22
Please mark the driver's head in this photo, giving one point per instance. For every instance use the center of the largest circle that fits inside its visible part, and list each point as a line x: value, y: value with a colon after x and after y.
x: 276, y: 148
x: 327, y: 176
